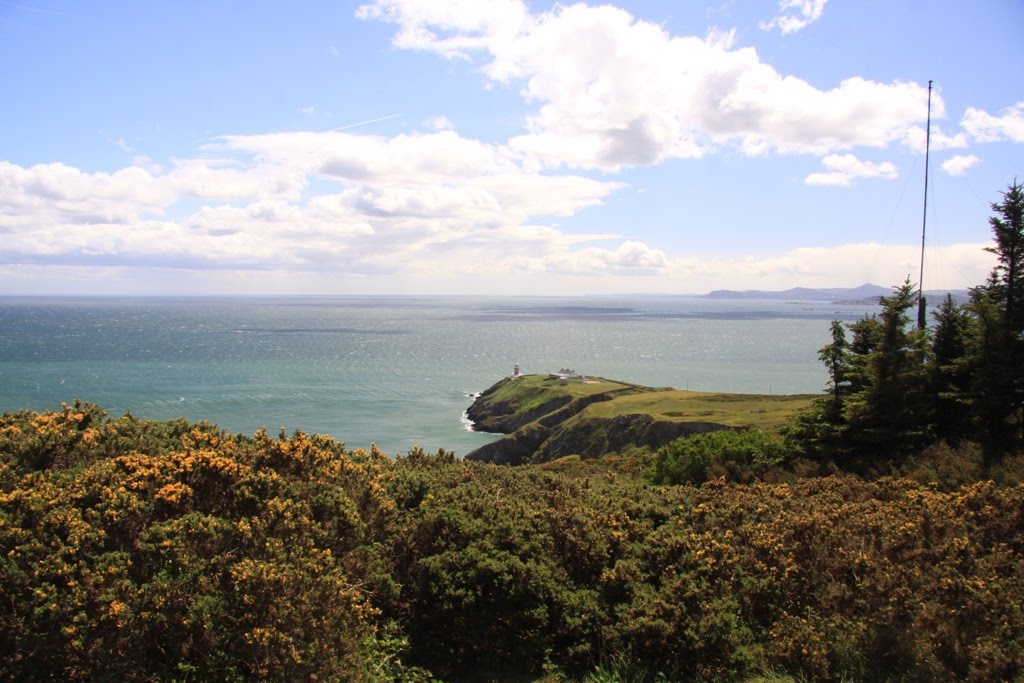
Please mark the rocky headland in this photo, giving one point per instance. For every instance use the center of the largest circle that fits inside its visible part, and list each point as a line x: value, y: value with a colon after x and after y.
x: 545, y: 417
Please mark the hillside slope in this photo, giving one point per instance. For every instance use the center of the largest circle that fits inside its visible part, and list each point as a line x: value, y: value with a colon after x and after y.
x: 545, y: 418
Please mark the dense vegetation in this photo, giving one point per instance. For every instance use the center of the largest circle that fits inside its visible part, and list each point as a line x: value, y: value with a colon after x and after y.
x: 137, y: 550
x: 895, y: 389
x: 134, y: 550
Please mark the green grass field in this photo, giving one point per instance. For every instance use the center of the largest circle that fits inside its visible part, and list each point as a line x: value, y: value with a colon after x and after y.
x: 663, y: 403
x: 530, y: 391
x: 734, y: 410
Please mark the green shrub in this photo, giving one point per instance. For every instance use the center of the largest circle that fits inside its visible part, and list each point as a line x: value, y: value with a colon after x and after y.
x: 692, y: 460
x: 141, y: 551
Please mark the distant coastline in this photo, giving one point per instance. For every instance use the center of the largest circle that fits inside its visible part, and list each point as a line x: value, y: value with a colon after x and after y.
x: 864, y: 294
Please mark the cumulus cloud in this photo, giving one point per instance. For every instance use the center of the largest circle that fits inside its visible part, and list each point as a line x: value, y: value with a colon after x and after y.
x: 405, y: 204
x: 984, y: 127
x: 579, y: 65
x: 844, y: 169
x: 424, y: 169
x: 56, y: 192
x: 916, y: 139
x: 218, y: 179
x: 455, y: 28
x: 960, y: 164
x: 630, y: 256
x: 795, y: 15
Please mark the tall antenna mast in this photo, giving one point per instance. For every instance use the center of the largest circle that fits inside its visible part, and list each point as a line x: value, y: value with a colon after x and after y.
x: 922, y: 308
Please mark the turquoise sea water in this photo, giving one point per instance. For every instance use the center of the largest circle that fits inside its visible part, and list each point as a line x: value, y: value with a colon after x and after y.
x: 396, y: 371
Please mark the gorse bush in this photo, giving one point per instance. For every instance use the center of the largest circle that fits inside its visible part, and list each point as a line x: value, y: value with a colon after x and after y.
x: 133, y: 550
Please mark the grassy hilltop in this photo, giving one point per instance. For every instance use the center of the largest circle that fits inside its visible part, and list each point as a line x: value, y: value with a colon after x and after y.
x: 546, y: 418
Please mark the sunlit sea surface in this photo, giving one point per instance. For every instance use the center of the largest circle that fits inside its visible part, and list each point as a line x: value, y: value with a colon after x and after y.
x: 396, y: 371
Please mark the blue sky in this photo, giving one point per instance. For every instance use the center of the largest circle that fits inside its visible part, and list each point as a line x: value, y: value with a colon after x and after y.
x: 501, y: 147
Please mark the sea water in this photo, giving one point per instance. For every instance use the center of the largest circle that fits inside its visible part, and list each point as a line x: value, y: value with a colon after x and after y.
x: 395, y: 371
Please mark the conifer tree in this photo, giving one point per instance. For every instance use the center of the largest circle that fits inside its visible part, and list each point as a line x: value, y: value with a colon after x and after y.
x: 997, y: 387
x: 888, y: 416
x: 836, y: 357
x: 867, y: 337
x: 819, y: 432
x: 950, y: 370
x: 1008, y: 230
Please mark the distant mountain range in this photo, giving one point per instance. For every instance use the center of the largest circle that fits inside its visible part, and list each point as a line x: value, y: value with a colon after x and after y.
x: 866, y: 293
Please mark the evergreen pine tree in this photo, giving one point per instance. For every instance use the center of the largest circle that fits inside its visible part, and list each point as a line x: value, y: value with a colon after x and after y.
x: 950, y: 370
x: 997, y: 386
x: 888, y: 415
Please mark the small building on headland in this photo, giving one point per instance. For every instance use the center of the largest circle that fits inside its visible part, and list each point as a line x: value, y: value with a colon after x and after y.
x: 567, y: 374
x: 516, y: 372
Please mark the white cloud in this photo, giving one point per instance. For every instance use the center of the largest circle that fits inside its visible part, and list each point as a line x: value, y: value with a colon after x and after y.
x: 439, y: 123
x: 352, y: 157
x: 630, y: 256
x: 984, y: 127
x: 216, y: 179
x: 795, y: 15
x: 580, y: 66
x: 453, y: 28
x: 439, y: 163
x: 959, y: 164
x: 562, y: 268
x: 955, y: 266
x: 917, y: 138
x: 844, y: 169
x: 58, y: 194
x: 55, y: 192
x: 410, y: 204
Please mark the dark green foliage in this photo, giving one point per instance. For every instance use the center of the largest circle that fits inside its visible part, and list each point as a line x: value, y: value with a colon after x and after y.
x: 945, y: 466
x: 997, y: 354
x: 692, y: 460
x: 836, y: 357
x: 887, y: 414
x: 878, y: 408
x: 219, y: 557
x: 1008, y: 231
x: 994, y: 357
x: 894, y: 390
x: 950, y: 371
x: 825, y: 579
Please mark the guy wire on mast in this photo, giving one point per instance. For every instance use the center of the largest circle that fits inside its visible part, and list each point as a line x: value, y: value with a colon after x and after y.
x: 922, y: 311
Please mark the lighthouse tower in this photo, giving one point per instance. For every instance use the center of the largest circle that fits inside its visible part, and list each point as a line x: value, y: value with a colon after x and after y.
x: 515, y: 372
